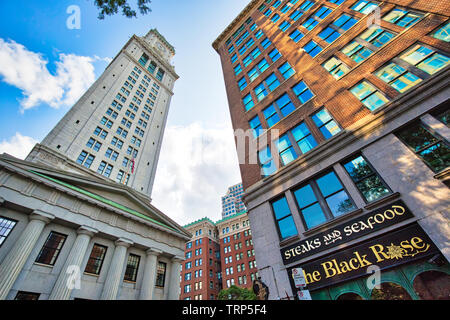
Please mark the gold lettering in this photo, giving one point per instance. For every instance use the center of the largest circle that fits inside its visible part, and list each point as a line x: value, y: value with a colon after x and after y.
x: 328, y: 266
x: 399, y: 213
x: 416, y: 241
x: 344, y: 267
x: 362, y: 260
x: 310, y: 278
x: 352, y: 265
x: 379, y: 215
x: 389, y: 217
x: 379, y: 252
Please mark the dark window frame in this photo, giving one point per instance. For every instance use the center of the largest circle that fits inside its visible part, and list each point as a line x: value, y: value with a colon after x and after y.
x: 56, y: 250
x: 134, y: 268
x: 10, y: 230
x: 320, y: 199
x: 101, y: 259
x: 374, y: 172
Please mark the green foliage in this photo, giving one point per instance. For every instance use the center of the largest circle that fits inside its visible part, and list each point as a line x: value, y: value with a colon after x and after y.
x: 111, y: 7
x: 236, y: 293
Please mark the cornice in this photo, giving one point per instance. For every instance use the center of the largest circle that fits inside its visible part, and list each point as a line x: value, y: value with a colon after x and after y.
x: 234, y: 23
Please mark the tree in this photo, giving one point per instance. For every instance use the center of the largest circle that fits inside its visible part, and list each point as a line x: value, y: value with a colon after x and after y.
x: 111, y: 7
x: 236, y: 293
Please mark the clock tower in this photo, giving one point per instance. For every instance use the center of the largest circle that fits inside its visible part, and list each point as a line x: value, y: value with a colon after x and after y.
x: 160, y: 44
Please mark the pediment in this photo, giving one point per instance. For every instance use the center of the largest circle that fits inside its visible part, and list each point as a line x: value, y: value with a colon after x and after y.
x: 96, y: 190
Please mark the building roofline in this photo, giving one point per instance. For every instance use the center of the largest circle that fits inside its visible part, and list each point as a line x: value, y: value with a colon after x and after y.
x: 234, y: 23
x: 162, y: 38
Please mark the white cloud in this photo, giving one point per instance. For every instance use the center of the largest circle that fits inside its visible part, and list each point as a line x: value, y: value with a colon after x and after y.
x: 18, y: 146
x: 195, y: 168
x: 28, y: 71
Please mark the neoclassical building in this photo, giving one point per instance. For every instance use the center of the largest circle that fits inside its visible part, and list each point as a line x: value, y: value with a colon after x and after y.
x: 76, y: 219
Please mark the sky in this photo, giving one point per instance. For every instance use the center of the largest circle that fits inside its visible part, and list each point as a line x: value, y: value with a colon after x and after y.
x: 45, y: 66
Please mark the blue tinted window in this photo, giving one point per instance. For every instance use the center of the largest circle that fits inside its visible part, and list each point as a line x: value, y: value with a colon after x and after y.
x: 274, y: 55
x: 285, y: 105
x: 302, y: 92
x: 283, y: 217
x: 304, y: 138
x: 271, y: 116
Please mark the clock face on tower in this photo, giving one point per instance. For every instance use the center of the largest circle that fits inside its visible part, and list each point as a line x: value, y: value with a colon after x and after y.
x: 160, y: 47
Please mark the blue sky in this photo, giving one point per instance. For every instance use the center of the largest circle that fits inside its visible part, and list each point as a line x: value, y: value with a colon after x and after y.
x: 185, y: 189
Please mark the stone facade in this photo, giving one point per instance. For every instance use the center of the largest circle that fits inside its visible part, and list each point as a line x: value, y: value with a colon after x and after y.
x: 141, y: 110
x: 87, y: 211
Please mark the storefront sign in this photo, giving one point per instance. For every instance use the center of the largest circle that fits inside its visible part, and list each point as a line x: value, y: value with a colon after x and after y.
x: 355, y: 228
x: 393, y: 249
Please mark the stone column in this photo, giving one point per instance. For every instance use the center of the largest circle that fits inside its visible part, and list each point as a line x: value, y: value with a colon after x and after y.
x: 148, y: 282
x: 174, y: 280
x: 15, y: 259
x: 70, y: 274
x: 114, y: 277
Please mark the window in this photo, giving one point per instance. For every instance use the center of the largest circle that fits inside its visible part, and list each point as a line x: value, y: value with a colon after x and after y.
x: 143, y: 60
x: 302, y: 92
x: 274, y: 55
x: 248, y: 102
x: 275, y: 17
x: 271, y: 115
x: 51, y: 248
x: 304, y: 138
x: 335, y: 29
x: 6, y: 226
x: 338, y: 2
x: 301, y: 10
x: 23, y: 295
x: 242, y: 83
x: 402, y: 18
x: 265, y: 43
x: 285, y: 150
x: 267, y: 163
x: 443, y: 33
x: 326, y: 123
x: 364, y: 6
x: 132, y: 267
x: 320, y: 14
x: 234, y: 58
x: 95, y: 261
x: 255, y: 124
x: 85, y: 159
x: 256, y: 71
x: 284, y: 26
x: 285, y: 105
x: 237, y: 69
x: 367, y: 43
x: 251, y: 56
x: 161, y: 274
x: 398, y: 77
x: 286, y: 70
x: 296, y: 35
x: 322, y: 199
x: 425, y: 59
x: 427, y: 146
x: 366, y: 179
x: 160, y: 74
x: 260, y: 92
x: 284, y: 220
x: 272, y: 82
x: 336, y: 67
x: 312, y: 48
x: 369, y: 96
x: 246, y: 46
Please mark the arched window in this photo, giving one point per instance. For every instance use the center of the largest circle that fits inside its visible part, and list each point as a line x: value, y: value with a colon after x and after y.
x: 432, y: 285
x: 350, y: 296
x: 390, y: 291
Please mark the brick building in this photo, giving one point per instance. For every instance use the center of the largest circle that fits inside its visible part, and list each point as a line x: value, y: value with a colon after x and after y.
x: 219, y: 255
x: 236, y: 251
x: 200, y: 275
x: 344, y: 107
